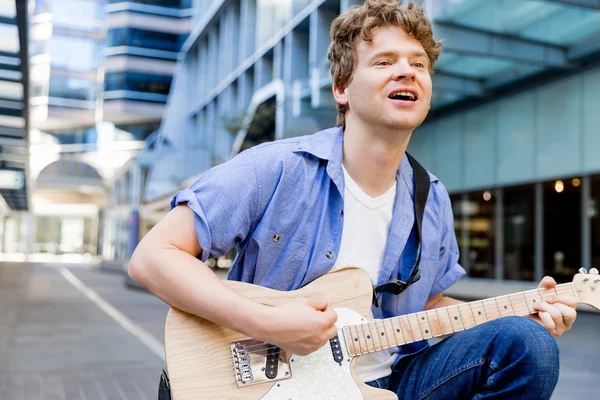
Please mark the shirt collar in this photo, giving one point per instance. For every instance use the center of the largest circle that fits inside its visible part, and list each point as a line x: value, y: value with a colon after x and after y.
x: 328, y: 145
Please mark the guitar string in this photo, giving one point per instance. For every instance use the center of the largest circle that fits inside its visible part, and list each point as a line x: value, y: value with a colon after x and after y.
x: 263, y: 348
x: 264, y: 345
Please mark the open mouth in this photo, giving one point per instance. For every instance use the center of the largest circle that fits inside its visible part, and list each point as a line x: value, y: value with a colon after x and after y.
x: 404, y: 96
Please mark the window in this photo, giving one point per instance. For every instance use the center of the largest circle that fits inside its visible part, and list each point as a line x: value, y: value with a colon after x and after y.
x: 562, y: 228
x: 519, y: 232
x: 87, y: 14
x: 146, y: 39
x: 74, y: 53
x: 475, y: 227
x: 138, y: 82
x: 72, y: 88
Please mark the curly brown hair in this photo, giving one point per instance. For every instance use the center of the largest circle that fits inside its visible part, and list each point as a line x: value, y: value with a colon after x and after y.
x: 361, y: 21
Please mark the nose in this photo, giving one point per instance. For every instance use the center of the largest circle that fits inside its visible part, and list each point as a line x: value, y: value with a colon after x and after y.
x: 403, y: 70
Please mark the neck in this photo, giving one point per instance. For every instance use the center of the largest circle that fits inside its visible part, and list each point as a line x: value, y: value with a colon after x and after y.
x: 383, y: 334
x: 372, y: 156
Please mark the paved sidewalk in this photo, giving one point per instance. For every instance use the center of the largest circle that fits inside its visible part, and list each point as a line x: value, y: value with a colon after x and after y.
x: 56, y: 344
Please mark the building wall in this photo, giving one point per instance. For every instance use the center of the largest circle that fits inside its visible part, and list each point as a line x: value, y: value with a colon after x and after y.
x: 549, y: 132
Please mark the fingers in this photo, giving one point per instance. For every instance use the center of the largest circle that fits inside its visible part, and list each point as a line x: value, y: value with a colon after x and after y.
x: 331, y: 332
x: 547, y: 282
x: 556, y: 318
x: 569, y: 301
x: 568, y: 314
x: 318, y: 302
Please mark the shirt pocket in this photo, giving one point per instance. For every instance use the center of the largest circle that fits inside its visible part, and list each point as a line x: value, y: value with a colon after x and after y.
x: 280, y: 262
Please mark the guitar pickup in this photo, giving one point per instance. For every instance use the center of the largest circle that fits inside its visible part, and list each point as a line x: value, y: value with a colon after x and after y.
x: 257, y: 362
x: 272, y: 362
x: 336, y: 349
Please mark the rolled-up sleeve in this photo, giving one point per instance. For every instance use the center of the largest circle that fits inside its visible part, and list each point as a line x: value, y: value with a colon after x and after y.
x: 449, y: 270
x: 224, y: 201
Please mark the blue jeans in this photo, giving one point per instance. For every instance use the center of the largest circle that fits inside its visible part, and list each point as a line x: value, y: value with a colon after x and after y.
x: 508, y: 358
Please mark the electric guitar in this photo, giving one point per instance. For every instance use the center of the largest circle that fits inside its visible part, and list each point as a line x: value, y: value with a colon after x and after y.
x: 208, y: 361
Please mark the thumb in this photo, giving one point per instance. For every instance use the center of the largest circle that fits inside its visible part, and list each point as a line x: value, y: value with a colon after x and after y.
x: 319, y: 303
x: 547, y: 283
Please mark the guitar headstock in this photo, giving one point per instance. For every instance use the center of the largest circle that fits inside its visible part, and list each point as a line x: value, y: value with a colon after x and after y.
x: 587, y: 285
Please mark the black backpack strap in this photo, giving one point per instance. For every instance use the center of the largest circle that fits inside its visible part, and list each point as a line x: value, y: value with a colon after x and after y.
x: 422, y: 184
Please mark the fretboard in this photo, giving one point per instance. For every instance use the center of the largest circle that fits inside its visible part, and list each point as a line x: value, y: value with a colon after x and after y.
x: 383, y: 334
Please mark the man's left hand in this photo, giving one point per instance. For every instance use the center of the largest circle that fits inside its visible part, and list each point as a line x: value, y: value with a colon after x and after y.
x: 557, y: 313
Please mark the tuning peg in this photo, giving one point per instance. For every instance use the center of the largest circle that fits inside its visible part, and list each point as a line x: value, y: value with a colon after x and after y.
x: 582, y: 270
x: 594, y: 271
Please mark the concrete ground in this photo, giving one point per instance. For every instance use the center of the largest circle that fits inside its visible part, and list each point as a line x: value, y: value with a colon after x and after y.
x: 75, y: 332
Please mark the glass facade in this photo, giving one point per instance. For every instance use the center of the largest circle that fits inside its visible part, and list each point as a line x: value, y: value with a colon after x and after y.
x: 72, y: 88
x: 562, y: 228
x: 519, y: 232
x: 475, y: 232
x: 82, y: 14
x: 62, y: 49
x: 143, y: 38
x: 138, y: 82
x: 529, y: 231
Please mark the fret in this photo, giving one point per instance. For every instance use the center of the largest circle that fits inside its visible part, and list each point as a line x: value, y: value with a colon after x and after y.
x: 406, y: 331
x: 367, y: 337
x: 398, y: 331
x: 455, y: 319
x: 478, y: 312
x: 359, y: 344
x: 389, y: 332
x: 381, y: 335
x: 491, y: 309
x: 349, y: 341
x: 374, y: 336
x: 519, y: 304
x: 445, y: 320
x: 414, y: 327
x: 545, y: 294
x: 504, y: 306
x: 533, y: 297
x: 424, y: 325
x: 466, y: 313
x: 434, y: 323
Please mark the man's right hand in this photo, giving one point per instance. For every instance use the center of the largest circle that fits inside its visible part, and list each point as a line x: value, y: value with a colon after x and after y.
x: 300, y: 326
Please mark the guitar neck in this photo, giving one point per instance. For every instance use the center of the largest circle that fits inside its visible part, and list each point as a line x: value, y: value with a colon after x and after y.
x: 383, y: 334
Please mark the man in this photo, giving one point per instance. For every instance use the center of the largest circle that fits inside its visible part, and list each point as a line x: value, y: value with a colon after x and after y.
x: 301, y: 207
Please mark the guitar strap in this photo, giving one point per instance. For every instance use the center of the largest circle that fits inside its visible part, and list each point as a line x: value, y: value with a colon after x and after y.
x: 422, y: 183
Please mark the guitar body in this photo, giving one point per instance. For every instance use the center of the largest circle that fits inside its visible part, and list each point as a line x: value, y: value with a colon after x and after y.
x: 200, y: 360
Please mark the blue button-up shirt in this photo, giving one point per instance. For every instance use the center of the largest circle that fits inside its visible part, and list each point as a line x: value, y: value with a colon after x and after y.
x: 281, y: 204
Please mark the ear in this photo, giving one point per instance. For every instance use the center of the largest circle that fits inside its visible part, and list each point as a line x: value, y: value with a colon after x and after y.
x: 339, y: 95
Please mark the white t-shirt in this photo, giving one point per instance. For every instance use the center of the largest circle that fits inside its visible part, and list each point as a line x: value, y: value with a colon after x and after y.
x: 366, y: 227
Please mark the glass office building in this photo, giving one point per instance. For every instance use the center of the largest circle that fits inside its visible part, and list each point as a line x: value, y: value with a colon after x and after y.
x: 99, y: 75
x: 512, y: 130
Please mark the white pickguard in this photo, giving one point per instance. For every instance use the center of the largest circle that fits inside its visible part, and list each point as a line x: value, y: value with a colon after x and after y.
x: 317, y: 376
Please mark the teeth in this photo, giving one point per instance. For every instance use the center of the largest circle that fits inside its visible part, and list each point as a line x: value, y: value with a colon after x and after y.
x: 406, y: 94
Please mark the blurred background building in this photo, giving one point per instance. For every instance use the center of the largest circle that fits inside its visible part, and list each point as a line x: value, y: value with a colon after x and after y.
x: 132, y: 100
x: 100, y: 72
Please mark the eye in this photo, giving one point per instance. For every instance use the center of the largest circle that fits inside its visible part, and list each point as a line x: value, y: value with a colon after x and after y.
x: 383, y: 63
x: 419, y: 65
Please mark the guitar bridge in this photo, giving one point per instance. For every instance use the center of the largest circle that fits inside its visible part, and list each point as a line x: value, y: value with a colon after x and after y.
x: 258, y: 362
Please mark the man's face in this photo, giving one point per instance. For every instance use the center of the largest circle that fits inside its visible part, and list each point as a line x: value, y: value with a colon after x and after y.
x: 391, y: 85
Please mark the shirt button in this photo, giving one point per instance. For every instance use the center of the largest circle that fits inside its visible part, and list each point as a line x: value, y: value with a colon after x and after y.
x: 341, y: 213
x: 276, y: 238
x: 329, y: 254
